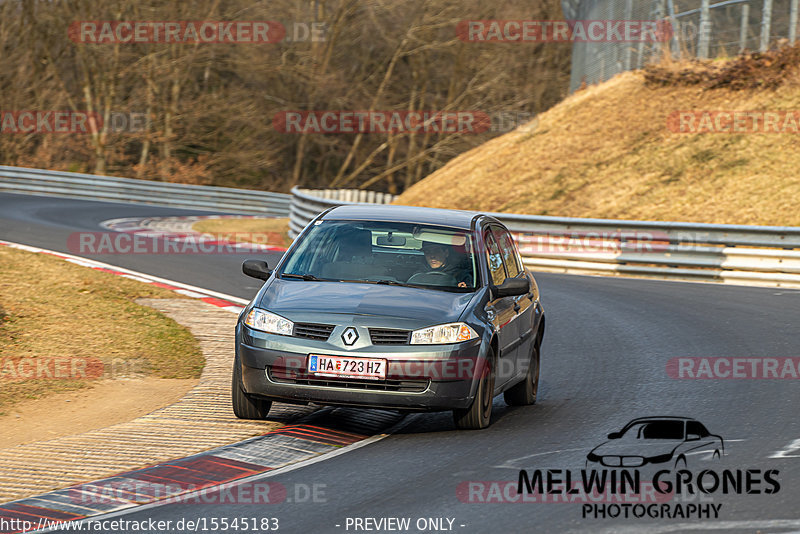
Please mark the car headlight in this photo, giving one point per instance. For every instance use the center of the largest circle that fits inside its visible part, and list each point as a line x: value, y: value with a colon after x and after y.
x: 269, y: 322
x: 443, y: 334
x: 660, y: 459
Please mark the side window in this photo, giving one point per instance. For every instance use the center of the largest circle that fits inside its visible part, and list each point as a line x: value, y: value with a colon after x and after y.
x: 695, y: 427
x: 494, y: 259
x: 508, y: 250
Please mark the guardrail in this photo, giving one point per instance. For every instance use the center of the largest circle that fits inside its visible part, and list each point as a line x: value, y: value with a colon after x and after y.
x: 307, y: 204
x: 752, y: 255
x: 737, y: 254
x: 113, y: 189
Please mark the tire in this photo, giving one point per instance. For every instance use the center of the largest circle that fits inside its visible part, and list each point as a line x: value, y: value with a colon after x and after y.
x: 479, y: 414
x: 245, y: 406
x: 524, y: 393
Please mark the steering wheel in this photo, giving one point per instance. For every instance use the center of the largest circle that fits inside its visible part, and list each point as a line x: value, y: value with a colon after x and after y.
x: 436, y: 278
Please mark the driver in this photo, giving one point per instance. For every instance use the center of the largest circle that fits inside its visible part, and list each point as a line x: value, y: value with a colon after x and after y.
x: 438, y: 258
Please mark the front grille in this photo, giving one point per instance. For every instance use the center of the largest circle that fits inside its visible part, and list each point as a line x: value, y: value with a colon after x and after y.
x: 622, y: 461
x: 301, y: 378
x: 319, y: 332
x: 381, y: 336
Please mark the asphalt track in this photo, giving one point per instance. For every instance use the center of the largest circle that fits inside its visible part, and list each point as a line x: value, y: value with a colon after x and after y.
x: 604, y: 363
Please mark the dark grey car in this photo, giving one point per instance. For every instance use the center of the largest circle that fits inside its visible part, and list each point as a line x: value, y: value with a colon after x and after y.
x: 392, y: 307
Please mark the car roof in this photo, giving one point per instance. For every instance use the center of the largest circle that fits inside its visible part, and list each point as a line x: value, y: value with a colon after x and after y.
x: 408, y: 214
x: 660, y: 418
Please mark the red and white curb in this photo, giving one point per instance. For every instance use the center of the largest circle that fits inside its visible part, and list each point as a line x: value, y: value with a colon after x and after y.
x: 205, y: 478
x: 226, y: 475
x: 221, y: 300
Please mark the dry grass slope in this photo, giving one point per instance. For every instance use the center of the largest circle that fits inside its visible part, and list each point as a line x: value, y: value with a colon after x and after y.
x: 53, y: 309
x: 607, y: 152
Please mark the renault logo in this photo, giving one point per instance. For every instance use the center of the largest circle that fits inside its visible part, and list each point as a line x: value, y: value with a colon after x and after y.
x: 349, y: 336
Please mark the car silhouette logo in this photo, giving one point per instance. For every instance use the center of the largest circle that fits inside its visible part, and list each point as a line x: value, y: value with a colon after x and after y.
x: 349, y: 336
x: 657, y: 440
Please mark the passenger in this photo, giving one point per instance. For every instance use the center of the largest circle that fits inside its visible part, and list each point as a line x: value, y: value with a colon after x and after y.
x: 438, y: 257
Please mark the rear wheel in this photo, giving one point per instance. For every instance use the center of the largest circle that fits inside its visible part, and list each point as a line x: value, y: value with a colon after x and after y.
x: 524, y: 393
x: 244, y: 405
x: 479, y: 414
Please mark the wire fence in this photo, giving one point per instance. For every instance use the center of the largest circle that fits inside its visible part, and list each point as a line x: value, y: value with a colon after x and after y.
x: 700, y: 28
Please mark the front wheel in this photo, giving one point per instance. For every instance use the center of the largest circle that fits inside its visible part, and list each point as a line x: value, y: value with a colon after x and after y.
x: 680, y: 463
x: 245, y: 406
x: 479, y: 414
x: 524, y: 393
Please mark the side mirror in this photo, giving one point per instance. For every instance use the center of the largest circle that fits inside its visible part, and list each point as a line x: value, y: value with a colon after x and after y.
x: 692, y: 437
x: 614, y: 435
x: 256, y: 269
x: 512, y: 287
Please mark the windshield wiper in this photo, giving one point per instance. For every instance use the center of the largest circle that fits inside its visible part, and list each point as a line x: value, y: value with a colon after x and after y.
x: 423, y: 286
x: 307, y: 277
x: 392, y: 283
x: 380, y: 282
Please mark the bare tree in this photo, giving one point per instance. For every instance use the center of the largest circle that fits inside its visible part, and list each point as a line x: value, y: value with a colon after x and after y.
x: 210, y: 106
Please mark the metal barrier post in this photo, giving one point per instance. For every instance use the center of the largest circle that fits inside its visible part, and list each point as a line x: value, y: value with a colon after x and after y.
x: 704, y: 32
x: 744, y: 27
x: 766, y: 25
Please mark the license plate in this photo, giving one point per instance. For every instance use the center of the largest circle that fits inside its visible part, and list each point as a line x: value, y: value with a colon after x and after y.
x: 346, y: 367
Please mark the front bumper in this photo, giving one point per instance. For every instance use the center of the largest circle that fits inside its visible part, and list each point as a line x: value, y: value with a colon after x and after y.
x: 418, y: 378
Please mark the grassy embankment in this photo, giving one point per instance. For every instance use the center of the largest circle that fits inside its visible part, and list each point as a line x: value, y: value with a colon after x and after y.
x: 607, y: 151
x: 64, y: 318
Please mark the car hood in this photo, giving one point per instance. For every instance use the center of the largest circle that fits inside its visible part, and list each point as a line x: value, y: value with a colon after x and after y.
x: 300, y: 300
x: 637, y: 447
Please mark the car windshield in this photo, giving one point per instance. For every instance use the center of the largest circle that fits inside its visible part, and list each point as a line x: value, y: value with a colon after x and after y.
x: 385, y: 253
x: 672, y: 430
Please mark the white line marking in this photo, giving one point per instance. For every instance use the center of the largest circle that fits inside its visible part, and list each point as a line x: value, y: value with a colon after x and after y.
x: 508, y: 464
x: 92, y: 263
x: 794, y: 446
